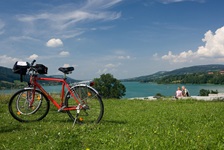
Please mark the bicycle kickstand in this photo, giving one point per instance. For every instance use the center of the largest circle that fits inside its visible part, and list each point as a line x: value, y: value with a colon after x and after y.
x: 77, y: 115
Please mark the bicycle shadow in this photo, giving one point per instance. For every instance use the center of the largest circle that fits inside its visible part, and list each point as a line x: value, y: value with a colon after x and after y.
x: 10, y: 128
x: 69, y: 121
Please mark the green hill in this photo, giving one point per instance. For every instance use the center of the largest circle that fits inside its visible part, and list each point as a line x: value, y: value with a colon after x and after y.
x: 181, y: 71
x: 6, y: 74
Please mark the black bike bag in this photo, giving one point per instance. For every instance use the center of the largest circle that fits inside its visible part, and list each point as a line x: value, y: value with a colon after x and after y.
x: 41, y: 69
x: 20, y: 67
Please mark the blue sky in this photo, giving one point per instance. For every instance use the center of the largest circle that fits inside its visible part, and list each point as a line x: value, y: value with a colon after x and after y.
x: 127, y: 38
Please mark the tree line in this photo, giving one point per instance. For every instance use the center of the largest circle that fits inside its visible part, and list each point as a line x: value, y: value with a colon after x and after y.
x: 194, y: 78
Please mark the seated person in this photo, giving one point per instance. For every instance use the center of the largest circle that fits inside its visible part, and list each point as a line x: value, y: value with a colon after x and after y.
x: 185, y: 92
x: 178, y: 93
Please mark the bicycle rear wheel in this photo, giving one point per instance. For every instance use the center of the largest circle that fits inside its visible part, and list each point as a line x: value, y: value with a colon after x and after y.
x: 92, y: 107
x: 23, y: 109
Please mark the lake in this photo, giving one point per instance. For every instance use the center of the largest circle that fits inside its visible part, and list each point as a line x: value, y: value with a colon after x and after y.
x: 136, y: 89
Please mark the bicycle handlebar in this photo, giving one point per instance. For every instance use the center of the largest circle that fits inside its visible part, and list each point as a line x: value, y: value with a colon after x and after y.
x: 32, y: 68
x: 33, y: 62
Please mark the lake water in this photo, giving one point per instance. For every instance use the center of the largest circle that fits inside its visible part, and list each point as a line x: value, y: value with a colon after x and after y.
x: 136, y: 89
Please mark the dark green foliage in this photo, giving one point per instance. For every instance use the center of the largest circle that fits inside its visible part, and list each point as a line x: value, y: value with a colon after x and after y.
x: 182, y: 71
x: 204, y: 92
x: 159, y: 95
x: 214, y: 92
x: 109, y: 87
x: 194, y: 78
x: 7, y: 75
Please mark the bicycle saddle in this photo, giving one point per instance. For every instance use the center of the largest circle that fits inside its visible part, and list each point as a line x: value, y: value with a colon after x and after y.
x: 66, y: 70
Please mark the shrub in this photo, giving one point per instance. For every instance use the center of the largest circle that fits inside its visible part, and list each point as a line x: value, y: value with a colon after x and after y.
x: 204, y: 92
x: 109, y: 87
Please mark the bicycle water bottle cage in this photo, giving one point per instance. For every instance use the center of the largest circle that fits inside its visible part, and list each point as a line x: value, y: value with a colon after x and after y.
x: 66, y: 70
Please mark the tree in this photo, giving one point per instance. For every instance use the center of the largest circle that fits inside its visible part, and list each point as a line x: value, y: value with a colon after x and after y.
x: 109, y: 87
x: 204, y: 92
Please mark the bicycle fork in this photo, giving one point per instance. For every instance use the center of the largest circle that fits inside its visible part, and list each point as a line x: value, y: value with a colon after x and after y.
x: 30, y: 97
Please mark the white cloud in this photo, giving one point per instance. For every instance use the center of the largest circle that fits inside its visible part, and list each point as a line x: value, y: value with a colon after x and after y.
x: 71, y: 33
x: 66, y: 65
x: 102, y: 71
x: 7, y: 61
x: 66, y: 17
x: 109, y: 68
x: 155, y: 55
x: 29, y: 18
x: 182, y: 57
x: 110, y: 65
x: 32, y: 57
x: 213, y: 48
x: 54, y: 43
x: 101, y: 3
x: 121, y: 54
x: 214, y: 44
x: 23, y: 38
x: 64, y: 53
x: 111, y: 3
x: 72, y: 18
x: 123, y: 57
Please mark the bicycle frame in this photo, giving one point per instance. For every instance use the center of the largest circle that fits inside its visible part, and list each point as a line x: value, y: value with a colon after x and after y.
x: 34, y: 81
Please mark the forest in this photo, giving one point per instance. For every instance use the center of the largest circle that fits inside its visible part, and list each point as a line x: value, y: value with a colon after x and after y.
x: 194, y: 78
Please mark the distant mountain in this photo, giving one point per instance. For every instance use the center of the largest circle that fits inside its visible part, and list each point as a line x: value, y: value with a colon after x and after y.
x: 196, y: 69
x: 69, y: 80
x: 6, y: 74
x: 181, y: 71
x: 148, y: 77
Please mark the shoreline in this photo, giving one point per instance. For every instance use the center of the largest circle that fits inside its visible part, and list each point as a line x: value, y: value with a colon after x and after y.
x: 210, y: 97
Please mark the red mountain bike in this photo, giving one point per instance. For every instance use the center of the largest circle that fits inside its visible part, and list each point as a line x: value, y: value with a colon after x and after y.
x: 82, y: 102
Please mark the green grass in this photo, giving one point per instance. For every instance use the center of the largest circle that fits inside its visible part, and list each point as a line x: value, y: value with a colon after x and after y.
x: 127, y: 124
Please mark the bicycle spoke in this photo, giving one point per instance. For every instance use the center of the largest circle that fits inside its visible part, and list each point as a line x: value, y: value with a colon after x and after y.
x: 92, y: 105
x: 25, y: 108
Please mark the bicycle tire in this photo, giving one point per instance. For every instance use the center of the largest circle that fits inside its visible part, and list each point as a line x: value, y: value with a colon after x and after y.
x: 94, y: 108
x: 19, y: 105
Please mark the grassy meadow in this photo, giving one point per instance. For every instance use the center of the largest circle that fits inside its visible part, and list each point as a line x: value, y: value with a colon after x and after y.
x: 126, y: 125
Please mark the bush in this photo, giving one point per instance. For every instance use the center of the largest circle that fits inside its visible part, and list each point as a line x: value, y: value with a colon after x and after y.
x: 109, y: 87
x: 158, y: 95
x: 204, y: 92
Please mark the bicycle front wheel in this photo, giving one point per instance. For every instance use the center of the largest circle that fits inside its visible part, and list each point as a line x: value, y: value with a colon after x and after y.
x: 91, y: 104
x: 28, y: 105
